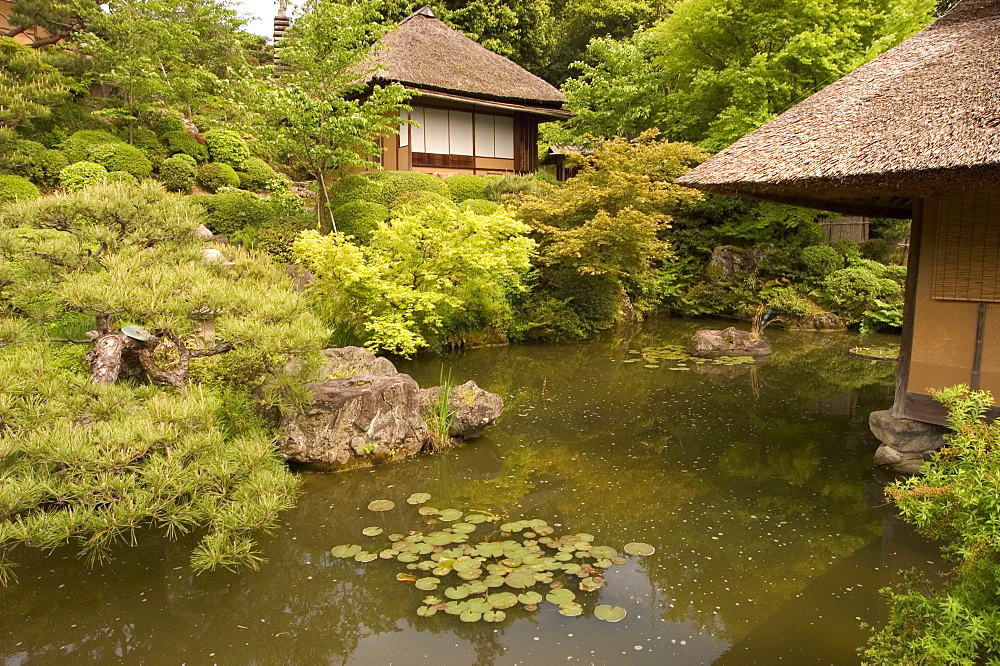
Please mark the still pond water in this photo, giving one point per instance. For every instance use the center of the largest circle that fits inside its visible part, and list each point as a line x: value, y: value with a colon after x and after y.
x: 753, y: 483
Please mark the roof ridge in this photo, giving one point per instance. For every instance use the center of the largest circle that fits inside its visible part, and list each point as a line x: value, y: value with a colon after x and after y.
x: 426, y: 11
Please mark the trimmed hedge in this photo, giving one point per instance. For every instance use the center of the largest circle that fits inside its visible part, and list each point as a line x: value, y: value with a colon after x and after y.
x: 17, y: 188
x: 348, y: 189
x: 178, y: 173
x: 417, y: 200
x: 466, y: 186
x: 213, y: 176
x: 35, y: 162
x: 227, y: 147
x: 360, y: 219
x: 81, y: 174
x: 396, y: 183
x: 258, y: 176
x: 121, y: 157
x: 232, y: 211
x: 182, y: 141
x: 275, y: 237
x: 79, y: 145
x: 122, y: 177
x: 480, y: 206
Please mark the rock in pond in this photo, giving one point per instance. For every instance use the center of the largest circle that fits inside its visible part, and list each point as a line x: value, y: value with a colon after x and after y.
x: 728, y: 342
x: 365, y: 413
x: 906, y: 444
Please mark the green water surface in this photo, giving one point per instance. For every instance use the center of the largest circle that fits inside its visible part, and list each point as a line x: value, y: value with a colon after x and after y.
x: 753, y: 482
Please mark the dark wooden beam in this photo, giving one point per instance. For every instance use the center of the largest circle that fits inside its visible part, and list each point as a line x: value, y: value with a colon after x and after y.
x: 909, y: 310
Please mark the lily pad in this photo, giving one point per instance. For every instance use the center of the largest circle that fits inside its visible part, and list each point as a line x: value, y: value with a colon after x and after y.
x: 345, y: 551
x: 610, y: 613
x: 464, y: 528
x: 571, y: 609
x: 560, y: 596
x: 459, y: 592
x: 406, y: 577
x: 494, y: 616
x: 449, y: 515
x: 365, y: 556
x: 476, y: 518
x: 519, y: 580
x: 431, y: 600
x: 427, y: 611
x: 407, y: 557
x: 428, y: 584
x: 470, y: 616
x: 530, y: 597
x: 418, y: 498
x: 427, y: 511
x: 502, y: 600
x: 372, y: 531
x: 637, y: 548
x: 381, y: 505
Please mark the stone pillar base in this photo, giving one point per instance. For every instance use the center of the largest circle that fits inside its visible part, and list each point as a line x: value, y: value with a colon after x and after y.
x: 906, y: 444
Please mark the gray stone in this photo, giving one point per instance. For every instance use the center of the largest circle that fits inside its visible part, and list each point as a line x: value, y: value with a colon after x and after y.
x: 821, y: 322
x: 905, y: 435
x: 343, y: 362
x: 886, y: 455
x: 728, y: 342
x: 728, y: 260
x: 473, y: 408
x: 203, y: 233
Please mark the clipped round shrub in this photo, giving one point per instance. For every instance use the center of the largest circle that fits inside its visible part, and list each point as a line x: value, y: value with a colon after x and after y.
x: 347, y: 189
x: 821, y: 260
x: 168, y: 123
x: 258, y: 176
x: 227, y: 147
x: 122, y: 157
x: 418, y: 200
x: 178, y: 173
x: 182, y: 141
x: 17, y: 188
x: 396, y: 183
x: 233, y: 211
x: 467, y: 186
x: 213, y: 176
x: 35, y: 162
x: 79, y: 175
x: 122, y: 177
x: 276, y: 237
x: 480, y: 206
x: 146, y: 141
x: 360, y: 219
x: 79, y: 145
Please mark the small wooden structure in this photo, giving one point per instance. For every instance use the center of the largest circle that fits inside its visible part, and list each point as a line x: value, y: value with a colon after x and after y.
x: 477, y: 112
x: 914, y: 133
x: 853, y: 228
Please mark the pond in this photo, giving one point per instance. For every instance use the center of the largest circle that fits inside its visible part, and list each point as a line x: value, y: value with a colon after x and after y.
x: 753, y: 483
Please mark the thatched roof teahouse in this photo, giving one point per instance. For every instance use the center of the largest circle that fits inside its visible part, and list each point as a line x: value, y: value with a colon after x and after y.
x: 914, y: 133
x: 477, y: 111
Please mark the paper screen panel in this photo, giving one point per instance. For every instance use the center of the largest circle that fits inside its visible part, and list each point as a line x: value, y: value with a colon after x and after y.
x: 967, y: 252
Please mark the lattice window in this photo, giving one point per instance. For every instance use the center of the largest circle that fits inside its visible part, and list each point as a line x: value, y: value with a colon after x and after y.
x: 967, y: 258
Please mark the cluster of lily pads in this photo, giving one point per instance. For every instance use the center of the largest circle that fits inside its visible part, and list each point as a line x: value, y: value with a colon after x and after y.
x: 678, y: 355
x: 877, y: 353
x: 520, y: 563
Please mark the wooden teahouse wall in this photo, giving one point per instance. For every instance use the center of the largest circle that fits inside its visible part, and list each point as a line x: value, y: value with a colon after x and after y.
x: 525, y: 143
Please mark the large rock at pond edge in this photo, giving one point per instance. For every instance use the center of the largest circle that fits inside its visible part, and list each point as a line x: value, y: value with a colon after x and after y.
x: 376, y: 418
x: 345, y: 362
x: 473, y: 408
x: 728, y: 342
x: 906, y: 444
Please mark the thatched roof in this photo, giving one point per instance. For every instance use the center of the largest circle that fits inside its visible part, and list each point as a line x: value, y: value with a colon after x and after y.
x: 425, y: 53
x: 920, y: 120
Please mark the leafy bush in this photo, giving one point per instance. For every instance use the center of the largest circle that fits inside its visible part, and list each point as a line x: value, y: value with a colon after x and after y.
x: 80, y: 144
x: 790, y: 304
x: 121, y: 157
x: 868, y: 293
x: 820, y: 260
x: 515, y: 186
x: 16, y: 188
x: 79, y: 175
x: 275, y: 238
x: 227, y: 147
x: 593, y: 298
x: 417, y: 199
x: 480, y: 206
x: 122, y: 177
x: 360, y: 219
x: 395, y: 183
x: 35, y: 162
x: 167, y: 123
x: 467, y: 186
x: 955, y: 499
x: 432, y: 277
x: 213, y: 176
x: 178, y: 173
x: 147, y: 141
x: 234, y: 210
x: 347, y: 189
x: 258, y: 176
x: 182, y: 141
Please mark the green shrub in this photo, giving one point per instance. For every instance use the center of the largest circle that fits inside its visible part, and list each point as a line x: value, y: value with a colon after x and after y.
x: 187, y: 159
x: 276, y: 237
x: 227, y: 147
x: 417, y: 200
x: 467, y: 186
x: 121, y: 157
x: 213, y: 176
x: 122, y: 177
x: 789, y: 303
x: 182, y: 141
x: 80, y: 144
x: 168, y: 123
x: 35, y: 162
x: 347, y: 189
x: 79, y: 175
x: 515, y: 186
x: 868, y: 293
x: 147, y: 141
x: 878, y: 249
x: 480, y: 206
x: 594, y: 298
x: 396, y: 183
x: 820, y: 260
x: 234, y: 210
x: 257, y: 176
x: 360, y: 219
x: 178, y: 173
x: 16, y: 188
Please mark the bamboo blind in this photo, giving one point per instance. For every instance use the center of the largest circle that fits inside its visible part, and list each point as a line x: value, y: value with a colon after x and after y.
x: 967, y: 257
